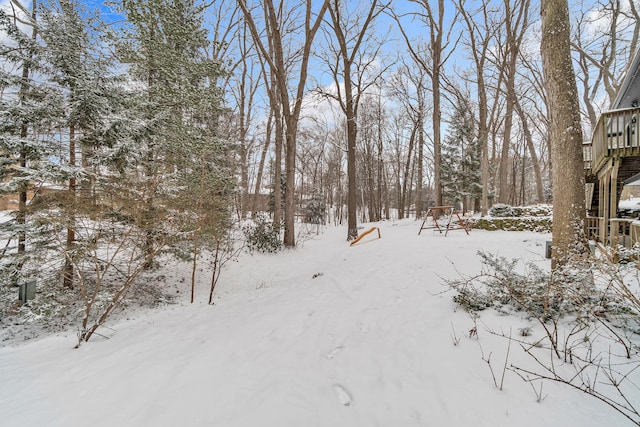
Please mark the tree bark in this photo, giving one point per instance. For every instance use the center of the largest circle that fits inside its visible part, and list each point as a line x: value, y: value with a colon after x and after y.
x: 352, y: 133
x: 21, y: 217
x: 263, y: 156
x: 277, y: 180
x: 67, y: 280
x: 420, y: 150
x: 566, y: 134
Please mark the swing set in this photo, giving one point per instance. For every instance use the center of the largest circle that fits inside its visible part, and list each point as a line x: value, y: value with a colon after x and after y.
x: 449, y: 220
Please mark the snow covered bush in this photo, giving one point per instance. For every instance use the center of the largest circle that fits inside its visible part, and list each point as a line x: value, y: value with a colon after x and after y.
x: 538, y: 224
x: 536, y: 210
x: 505, y: 287
x: 536, y: 218
x: 502, y: 210
x: 315, y: 209
x: 588, y: 312
x: 585, y: 292
x: 262, y: 235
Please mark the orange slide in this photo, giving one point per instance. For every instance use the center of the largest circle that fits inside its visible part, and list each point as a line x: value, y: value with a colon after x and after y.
x: 364, y: 234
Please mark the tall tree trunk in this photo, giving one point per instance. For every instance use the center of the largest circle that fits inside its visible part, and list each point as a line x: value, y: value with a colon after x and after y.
x: 352, y: 198
x: 71, y: 232
x: 504, y: 189
x: 512, y: 48
x: 437, y: 144
x: 21, y: 218
x: 290, y: 184
x: 244, y: 152
x: 479, y: 50
x: 420, y: 161
x: 346, y: 55
x: 387, y: 197
x: 532, y: 152
x: 373, y: 216
x: 380, y: 163
x: 263, y: 157
x: 409, y: 197
x: 566, y: 133
x: 277, y: 181
x: 406, y: 184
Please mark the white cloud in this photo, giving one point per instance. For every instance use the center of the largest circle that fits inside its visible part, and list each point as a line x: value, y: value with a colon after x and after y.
x: 318, y: 109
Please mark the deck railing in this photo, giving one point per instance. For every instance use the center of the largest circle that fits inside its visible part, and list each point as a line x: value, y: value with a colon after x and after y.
x: 615, y: 135
x: 587, y: 155
x: 595, y: 227
x: 634, y: 238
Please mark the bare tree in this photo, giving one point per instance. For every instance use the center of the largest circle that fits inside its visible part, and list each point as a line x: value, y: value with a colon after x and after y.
x: 371, y: 149
x: 528, y: 137
x: 604, y: 56
x: 480, y: 33
x: 272, y: 51
x: 243, y: 92
x: 515, y: 26
x: 233, y: 43
x: 409, y: 87
x: 440, y: 48
x: 260, y: 172
x: 351, y: 55
x: 533, y: 94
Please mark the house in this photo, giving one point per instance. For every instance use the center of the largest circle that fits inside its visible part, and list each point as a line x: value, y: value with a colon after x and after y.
x: 10, y: 202
x: 612, y: 158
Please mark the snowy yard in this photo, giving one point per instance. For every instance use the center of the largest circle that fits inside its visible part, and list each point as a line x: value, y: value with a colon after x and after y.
x: 325, y: 335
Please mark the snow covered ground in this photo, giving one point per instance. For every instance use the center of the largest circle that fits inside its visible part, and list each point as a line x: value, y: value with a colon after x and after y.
x: 324, y: 335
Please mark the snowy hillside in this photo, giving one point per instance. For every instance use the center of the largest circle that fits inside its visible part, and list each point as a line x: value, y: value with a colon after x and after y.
x: 325, y: 335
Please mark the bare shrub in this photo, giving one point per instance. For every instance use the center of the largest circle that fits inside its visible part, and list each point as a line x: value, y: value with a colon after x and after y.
x: 107, y: 259
x: 589, y: 312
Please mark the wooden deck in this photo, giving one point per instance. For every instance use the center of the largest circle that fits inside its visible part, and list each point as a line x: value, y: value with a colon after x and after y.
x: 612, y: 157
x: 615, y: 136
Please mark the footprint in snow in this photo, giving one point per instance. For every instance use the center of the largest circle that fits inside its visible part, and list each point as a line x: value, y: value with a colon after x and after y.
x: 332, y: 354
x: 343, y: 395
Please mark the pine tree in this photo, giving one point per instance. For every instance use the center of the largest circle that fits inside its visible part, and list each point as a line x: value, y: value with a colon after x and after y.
x: 471, y: 166
x: 74, y: 67
x: 165, y: 46
x: 29, y: 109
x: 315, y: 209
x: 461, y: 180
x: 185, y: 162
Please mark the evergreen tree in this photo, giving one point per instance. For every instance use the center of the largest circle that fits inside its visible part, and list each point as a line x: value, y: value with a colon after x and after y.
x: 185, y: 162
x: 471, y: 166
x: 450, y: 170
x: 28, y: 111
x: 461, y: 179
x: 80, y: 73
x: 315, y: 209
